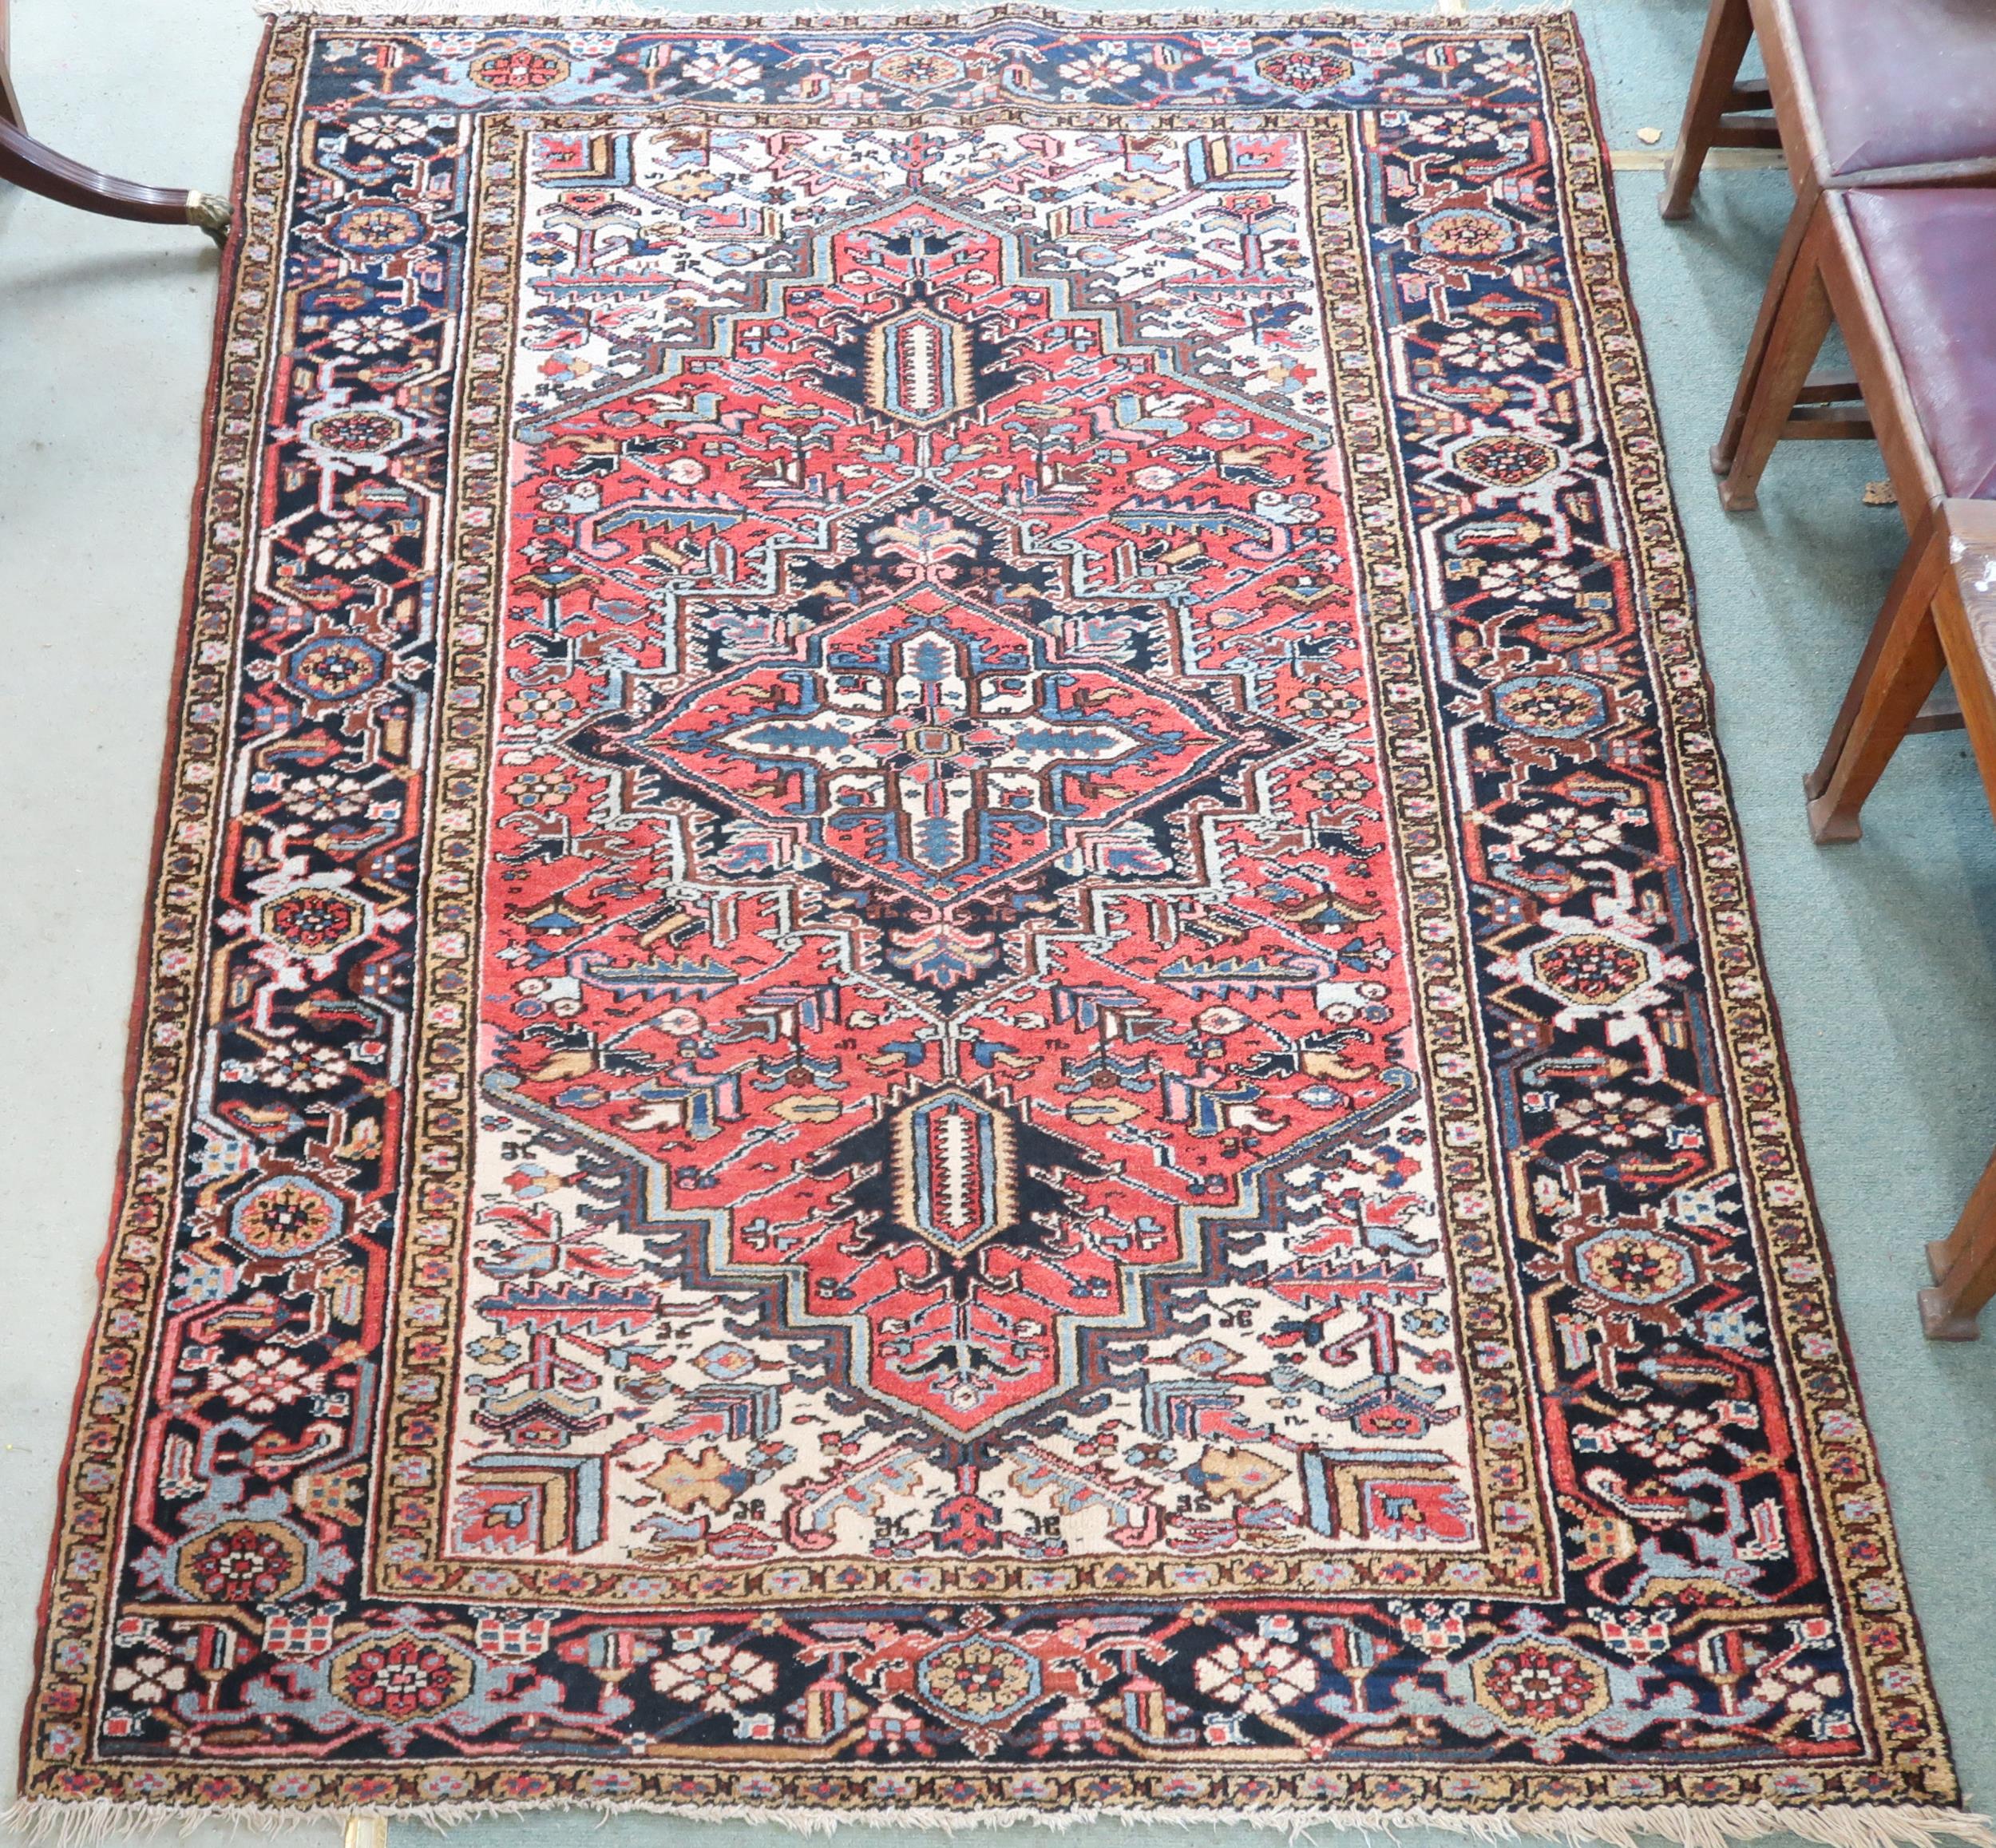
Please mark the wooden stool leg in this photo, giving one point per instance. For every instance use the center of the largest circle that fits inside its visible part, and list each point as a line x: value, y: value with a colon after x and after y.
x: 1901, y: 662
x: 1779, y: 278
x: 1798, y: 327
x: 1964, y: 1268
x: 1729, y: 29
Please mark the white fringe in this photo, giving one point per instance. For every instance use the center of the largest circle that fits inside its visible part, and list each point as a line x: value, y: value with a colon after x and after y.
x: 76, y: 1825
x: 582, y: 13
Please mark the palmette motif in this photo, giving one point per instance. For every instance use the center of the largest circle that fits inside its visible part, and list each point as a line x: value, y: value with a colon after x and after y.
x: 951, y: 1007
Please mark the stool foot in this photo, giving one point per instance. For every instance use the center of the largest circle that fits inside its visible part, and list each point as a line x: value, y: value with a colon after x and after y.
x: 1828, y: 829
x: 1941, y: 1321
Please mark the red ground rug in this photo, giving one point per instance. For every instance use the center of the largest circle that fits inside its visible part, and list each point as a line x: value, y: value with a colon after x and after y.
x: 949, y: 1010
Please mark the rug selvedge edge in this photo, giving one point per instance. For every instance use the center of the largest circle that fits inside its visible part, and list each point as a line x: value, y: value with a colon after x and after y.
x: 1743, y: 993
x: 238, y: 363
x: 1690, y: 736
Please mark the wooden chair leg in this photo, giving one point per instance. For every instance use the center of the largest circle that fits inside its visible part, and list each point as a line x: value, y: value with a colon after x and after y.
x: 1964, y: 1268
x: 1729, y: 29
x: 10, y: 102
x: 1901, y: 661
x: 1942, y: 607
x: 1798, y: 327
x: 1965, y: 616
x: 1786, y: 256
x: 35, y: 168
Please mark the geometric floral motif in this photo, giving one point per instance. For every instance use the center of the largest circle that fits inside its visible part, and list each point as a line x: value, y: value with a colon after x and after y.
x: 949, y: 1008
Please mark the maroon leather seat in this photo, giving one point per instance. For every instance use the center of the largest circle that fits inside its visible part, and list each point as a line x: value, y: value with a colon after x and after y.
x: 1931, y: 252
x: 1899, y: 83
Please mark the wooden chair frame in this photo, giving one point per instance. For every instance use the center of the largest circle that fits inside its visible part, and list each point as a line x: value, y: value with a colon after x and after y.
x: 1940, y: 611
x: 1723, y: 111
x: 1941, y: 608
x: 1829, y: 280
x: 34, y: 168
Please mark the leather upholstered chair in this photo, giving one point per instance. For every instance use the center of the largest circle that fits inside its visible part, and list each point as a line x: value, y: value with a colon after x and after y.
x: 1862, y: 93
x: 1909, y: 274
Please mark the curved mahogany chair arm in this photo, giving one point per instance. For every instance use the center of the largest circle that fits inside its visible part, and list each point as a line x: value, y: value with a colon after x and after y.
x: 35, y: 168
